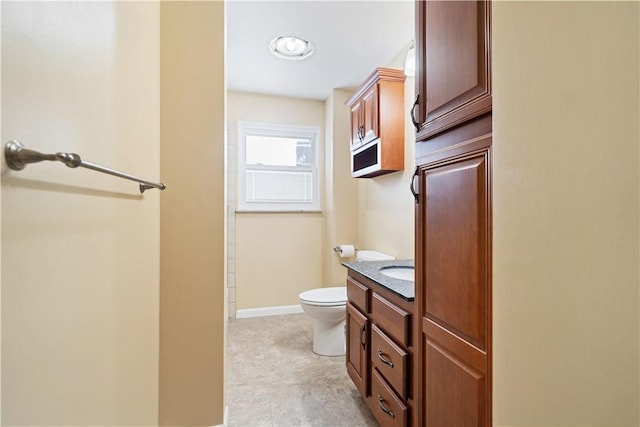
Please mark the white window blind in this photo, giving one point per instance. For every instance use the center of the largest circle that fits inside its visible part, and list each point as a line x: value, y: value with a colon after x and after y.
x: 277, y: 168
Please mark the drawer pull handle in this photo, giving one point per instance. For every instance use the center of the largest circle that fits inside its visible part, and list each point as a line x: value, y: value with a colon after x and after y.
x: 385, y: 410
x: 383, y: 360
x: 363, y: 343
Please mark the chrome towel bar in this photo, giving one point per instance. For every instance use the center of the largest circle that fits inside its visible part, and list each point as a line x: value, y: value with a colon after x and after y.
x: 17, y: 157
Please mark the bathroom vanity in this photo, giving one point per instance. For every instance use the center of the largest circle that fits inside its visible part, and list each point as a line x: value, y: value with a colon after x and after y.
x: 380, y: 337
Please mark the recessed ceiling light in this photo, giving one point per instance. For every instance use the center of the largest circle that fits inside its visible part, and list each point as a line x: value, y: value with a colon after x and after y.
x: 292, y: 48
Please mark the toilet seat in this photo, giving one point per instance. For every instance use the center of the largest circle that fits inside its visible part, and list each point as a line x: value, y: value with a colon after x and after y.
x: 325, y: 297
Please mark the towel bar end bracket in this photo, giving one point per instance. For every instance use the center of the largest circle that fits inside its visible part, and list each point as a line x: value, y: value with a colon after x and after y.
x: 11, y: 151
x: 18, y: 157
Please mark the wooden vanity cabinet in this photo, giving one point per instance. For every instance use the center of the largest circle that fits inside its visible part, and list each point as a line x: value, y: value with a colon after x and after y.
x: 380, y: 349
x: 377, y: 124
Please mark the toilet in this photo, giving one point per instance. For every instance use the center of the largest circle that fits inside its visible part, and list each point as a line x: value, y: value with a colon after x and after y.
x: 328, y: 308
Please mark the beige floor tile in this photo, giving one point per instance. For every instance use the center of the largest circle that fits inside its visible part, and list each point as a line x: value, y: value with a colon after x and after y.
x: 354, y: 408
x: 306, y: 406
x: 248, y: 407
x: 275, y: 379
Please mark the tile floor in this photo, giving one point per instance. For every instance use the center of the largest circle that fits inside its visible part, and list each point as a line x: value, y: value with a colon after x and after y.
x: 274, y: 379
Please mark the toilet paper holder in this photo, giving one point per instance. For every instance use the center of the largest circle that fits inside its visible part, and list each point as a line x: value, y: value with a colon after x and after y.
x: 338, y: 249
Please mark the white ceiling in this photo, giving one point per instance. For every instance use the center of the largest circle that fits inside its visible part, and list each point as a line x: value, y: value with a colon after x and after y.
x: 351, y: 38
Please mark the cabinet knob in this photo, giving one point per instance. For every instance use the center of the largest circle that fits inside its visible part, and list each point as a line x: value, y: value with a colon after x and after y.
x: 413, y: 114
x: 363, y: 341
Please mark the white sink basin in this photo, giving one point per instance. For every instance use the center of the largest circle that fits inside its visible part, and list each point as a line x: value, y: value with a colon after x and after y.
x: 398, y: 272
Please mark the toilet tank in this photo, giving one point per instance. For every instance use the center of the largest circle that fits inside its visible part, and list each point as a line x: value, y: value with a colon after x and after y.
x: 373, y: 256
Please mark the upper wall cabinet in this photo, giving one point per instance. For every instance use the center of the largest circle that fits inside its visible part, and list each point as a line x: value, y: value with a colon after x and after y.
x: 364, y: 118
x: 377, y: 124
x: 453, y: 67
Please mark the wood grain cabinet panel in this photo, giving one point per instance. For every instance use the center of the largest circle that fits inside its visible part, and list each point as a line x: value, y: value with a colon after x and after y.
x: 390, y: 360
x: 455, y: 289
x: 370, y: 114
x: 453, y: 66
x: 456, y: 244
x: 455, y: 383
x: 388, y: 409
x: 357, y: 354
x: 358, y: 295
x: 364, y: 118
x: 356, y: 125
x: 393, y: 320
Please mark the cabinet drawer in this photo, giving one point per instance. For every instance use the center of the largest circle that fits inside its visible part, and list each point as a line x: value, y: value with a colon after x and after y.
x: 390, y: 360
x: 393, y: 320
x: 386, y: 406
x: 358, y: 295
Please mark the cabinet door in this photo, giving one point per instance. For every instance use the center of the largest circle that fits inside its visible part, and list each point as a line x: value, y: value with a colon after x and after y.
x: 370, y: 114
x: 356, y: 125
x: 455, y: 290
x: 357, y: 357
x: 453, y: 66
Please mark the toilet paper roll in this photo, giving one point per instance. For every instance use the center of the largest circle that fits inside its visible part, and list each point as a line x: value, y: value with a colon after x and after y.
x: 347, y: 251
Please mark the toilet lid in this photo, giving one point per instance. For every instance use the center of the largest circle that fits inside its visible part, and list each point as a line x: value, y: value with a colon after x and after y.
x: 325, y: 296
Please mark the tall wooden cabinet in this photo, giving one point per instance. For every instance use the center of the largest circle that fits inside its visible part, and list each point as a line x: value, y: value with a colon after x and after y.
x: 452, y: 183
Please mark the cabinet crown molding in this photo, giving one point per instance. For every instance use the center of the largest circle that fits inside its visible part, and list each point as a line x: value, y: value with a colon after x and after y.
x: 380, y: 73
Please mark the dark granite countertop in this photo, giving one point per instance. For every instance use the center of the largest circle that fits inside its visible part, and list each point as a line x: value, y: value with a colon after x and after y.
x: 371, y: 270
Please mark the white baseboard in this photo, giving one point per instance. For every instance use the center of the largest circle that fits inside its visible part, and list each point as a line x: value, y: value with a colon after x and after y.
x: 268, y: 311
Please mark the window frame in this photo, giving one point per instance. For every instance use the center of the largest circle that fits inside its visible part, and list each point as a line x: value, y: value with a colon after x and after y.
x: 312, y: 133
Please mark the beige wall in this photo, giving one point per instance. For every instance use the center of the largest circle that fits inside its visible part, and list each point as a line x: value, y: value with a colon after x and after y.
x: 369, y: 213
x: 192, y: 286
x: 341, y: 195
x: 278, y: 255
x: 566, y: 193
x: 80, y: 249
x: 386, y: 206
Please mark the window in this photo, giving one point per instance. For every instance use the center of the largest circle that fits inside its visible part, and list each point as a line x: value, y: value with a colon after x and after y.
x: 277, y: 167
